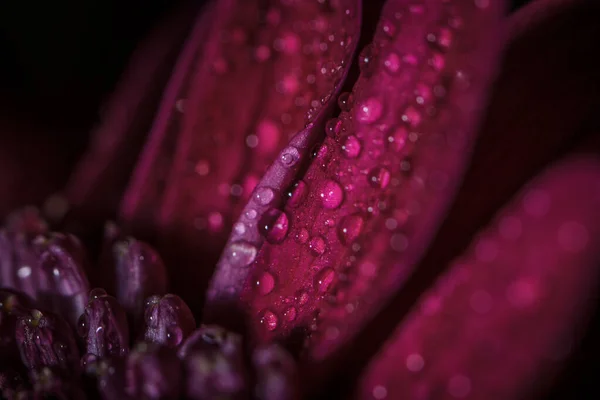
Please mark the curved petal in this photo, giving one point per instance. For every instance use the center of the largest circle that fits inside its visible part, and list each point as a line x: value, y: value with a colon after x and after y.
x: 379, y: 185
x: 499, y: 323
x: 249, y: 73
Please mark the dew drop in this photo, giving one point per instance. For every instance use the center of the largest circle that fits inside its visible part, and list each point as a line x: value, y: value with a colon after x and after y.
x: 251, y: 214
x: 269, y: 320
x: 290, y: 313
x: 333, y: 127
x: 290, y: 156
x: 264, y: 195
x: 398, y: 139
x: 82, y: 325
x: 324, y: 279
x: 317, y: 245
x: 174, y: 336
x: 274, y: 225
x: 379, y: 177
x: 388, y: 28
x: 302, y: 236
x: 331, y: 195
x: 96, y: 293
x: 239, y: 228
x: 302, y: 297
x: 265, y: 283
x: 392, y: 63
x: 351, y: 146
x: 369, y: 110
x: 296, y: 194
x: 349, y: 228
x: 242, y: 253
x: 345, y: 101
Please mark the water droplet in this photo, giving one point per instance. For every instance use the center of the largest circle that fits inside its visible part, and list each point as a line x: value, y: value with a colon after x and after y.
x: 324, y: 279
x: 392, y: 63
x: 290, y: 156
x: 269, y: 320
x: 96, y: 293
x: 369, y: 110
x: 317, y: 245
x: 264, y: 195
x: 290, y: 313
x: 242, y: 253
x: 333, y: 127
x: 411, y: 116
x: 331, y: 194
x: 265, y: 283
x: 398, y: 139
x: 302, y: 297
x: 239, y: 228
x: 349, y: 228
x: 274, y: 225
x: 302, y: 236
x: 345, y: 101
x: 366, y: 60
x: 202, y: 167
x: 388, y: 28
x: 351, y: 146
x: 82, y: 325
x: 87, y: 359
x: 262, y: 53
x: 174, y: 336
x: 251, y: 214
x: 379, y: 177
x: 296, y: 194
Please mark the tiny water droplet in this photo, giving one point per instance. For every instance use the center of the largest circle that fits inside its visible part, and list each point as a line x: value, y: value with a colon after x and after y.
x: 264, y: 195
x: 274, y: 225
x: 96, y: 293
x: 290, y: 156
x: 239, y: 228
x: 333, y: 127
x: 174, y: 336
x: 296, y: 194
x: 251, y: 214
x: 317, y: 245
x: 302, y: 236
x: 379, y: 177
x: 324, y: 279
x: 351, y: 146
x: 345, y: 101
x: 349, y: 228
x: 369, y: 110
x: 331, y: 194
x: 392, y: 63
x: 265, y: 283
x: 242, y: 253
x: 269, y: 320
x: 290, y: 313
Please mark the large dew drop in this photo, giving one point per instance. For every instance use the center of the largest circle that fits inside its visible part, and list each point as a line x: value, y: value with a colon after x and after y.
x: 331, y: 194
x: 349, y: 228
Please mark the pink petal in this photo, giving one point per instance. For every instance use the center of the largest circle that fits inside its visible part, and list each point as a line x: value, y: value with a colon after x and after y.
x: 379, y: 185
x: 500, y: 322
x: 249, y: 73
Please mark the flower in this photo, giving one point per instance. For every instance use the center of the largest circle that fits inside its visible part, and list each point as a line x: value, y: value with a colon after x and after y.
x: 306, y: 211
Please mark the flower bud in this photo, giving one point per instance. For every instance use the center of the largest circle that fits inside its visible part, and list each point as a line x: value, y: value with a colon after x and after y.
x: 213, y: 363
x: 167, y: 320
x: 276, y: 375
x: 153, y: 372
x: 103, y: 326
x: 46, y: 340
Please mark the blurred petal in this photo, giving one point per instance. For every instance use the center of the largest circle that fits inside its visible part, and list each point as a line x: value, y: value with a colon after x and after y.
x: 97, y: 184
x: 501, y: 321
x: 276, y: 373
x: 248, y: 75
x: 378, y: 187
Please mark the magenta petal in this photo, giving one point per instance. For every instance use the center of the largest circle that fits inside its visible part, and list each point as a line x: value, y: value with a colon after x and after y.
x: 247, y: 78
x: 502, y: 320
x: 366, y: 209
